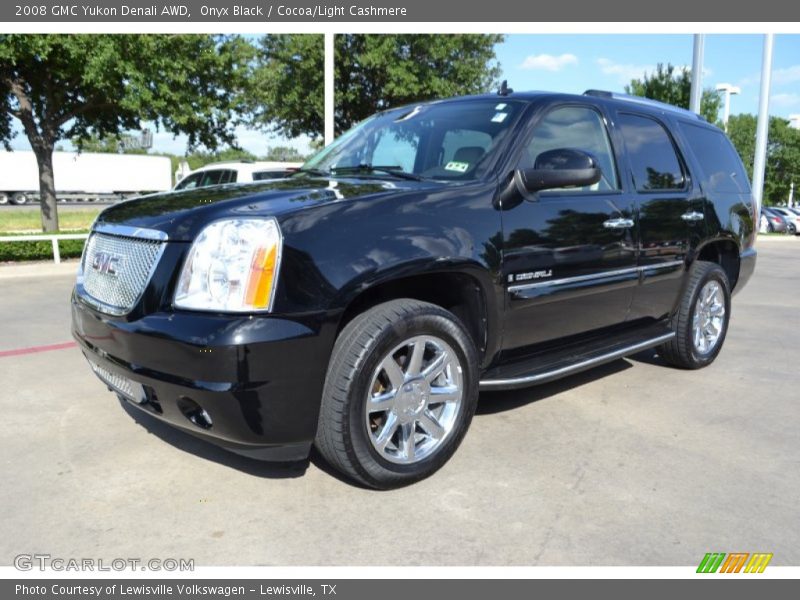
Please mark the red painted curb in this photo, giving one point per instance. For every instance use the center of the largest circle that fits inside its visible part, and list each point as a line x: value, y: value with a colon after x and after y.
x: 36, y: 349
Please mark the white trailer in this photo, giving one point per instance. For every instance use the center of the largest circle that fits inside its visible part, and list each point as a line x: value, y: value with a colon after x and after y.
x: 87, y: 176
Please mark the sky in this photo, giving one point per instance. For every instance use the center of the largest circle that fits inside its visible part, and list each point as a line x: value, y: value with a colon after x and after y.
x: 575, y: 63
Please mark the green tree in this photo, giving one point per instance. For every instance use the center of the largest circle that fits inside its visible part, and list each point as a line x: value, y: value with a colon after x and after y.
x: 78, y: 86
x: 198, y: 159
x: 283, y: 154
x: 376, y: 72
x: 373, y: 72
x: 673, y: 86
x: 109, y: 144
x: 783, y: 153
x: 287, y: 91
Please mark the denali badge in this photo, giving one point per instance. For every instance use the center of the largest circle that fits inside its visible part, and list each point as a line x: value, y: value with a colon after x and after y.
x: 106, y: 263
x: 531, y: 275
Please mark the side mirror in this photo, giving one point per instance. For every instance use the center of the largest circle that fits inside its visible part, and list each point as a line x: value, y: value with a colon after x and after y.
x: 559, y: 168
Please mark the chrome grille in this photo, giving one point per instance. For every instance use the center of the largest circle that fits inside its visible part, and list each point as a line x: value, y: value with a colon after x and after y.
x: 116, y: 270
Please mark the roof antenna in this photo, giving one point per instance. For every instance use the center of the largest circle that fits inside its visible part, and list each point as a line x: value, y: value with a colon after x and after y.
x: 504, y: 89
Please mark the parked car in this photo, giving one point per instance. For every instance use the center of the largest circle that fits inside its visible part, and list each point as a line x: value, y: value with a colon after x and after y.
x: 236, y: 172
x: 770, y: 223
x: 792, y: 216
x: 777, y: 222
x: 489, y: 242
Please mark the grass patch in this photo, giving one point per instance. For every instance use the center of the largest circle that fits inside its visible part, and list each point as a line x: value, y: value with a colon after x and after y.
x: 19, y: 220
x: 41, y: 250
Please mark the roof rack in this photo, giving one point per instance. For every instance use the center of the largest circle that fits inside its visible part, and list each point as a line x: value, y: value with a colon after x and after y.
x: 643, y: 101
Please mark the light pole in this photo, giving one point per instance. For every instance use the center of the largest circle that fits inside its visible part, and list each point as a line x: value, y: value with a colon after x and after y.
x: 728, y: 90
x: 696, y: 93
x: 762, y: 125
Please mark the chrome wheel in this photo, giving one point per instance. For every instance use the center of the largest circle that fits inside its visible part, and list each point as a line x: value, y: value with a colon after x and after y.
x: 709, y: 317
x: 414, y: 399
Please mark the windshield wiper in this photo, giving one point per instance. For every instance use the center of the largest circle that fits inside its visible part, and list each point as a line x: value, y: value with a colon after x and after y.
x: 395, y: 170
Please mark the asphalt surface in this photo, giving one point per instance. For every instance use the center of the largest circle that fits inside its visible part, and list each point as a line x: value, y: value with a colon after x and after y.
x: 633, y: 463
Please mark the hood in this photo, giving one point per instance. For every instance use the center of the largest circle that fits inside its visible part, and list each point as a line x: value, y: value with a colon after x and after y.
x: 182, y: 214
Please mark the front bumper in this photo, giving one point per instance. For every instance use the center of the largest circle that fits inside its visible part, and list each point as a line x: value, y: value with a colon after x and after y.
x: 251, y: 385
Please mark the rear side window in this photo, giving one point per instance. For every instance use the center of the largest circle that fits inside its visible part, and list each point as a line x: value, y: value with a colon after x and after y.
x: 721, y: 166
x: 654, y: 162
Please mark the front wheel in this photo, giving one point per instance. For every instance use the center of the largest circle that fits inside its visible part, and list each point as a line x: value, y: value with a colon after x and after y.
x: 401, y: 389
x: 701, y: 321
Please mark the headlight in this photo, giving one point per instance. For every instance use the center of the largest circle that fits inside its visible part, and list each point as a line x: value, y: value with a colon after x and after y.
x: 232, y: 266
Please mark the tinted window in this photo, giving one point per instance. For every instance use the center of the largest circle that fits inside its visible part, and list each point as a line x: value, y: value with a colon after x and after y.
x: 211, y: 178
x: 395, y: 148
x: 574, y: 127
x: 189, y: 182
x: 720, y: 164
x: 461, y: 144
x: 420, y: 138
x: 652, y: 154
x: 262, y: 175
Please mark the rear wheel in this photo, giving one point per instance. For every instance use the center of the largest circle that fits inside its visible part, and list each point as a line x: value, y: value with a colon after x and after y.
x: 701, y: 321
x: 19, y: 198
x: 3, y: 198
x: 399, y: 395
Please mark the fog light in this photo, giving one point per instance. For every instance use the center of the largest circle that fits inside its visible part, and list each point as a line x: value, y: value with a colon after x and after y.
x: 194, y: 412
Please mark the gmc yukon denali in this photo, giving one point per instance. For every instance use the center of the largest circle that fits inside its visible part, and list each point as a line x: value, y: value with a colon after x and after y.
x: 435, y: 250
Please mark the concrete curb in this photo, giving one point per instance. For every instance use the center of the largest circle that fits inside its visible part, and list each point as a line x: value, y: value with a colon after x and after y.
x: 769, y: 239
x: 38, y: 269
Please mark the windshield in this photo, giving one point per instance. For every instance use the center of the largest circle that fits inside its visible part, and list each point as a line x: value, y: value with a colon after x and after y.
x: 447, y: 140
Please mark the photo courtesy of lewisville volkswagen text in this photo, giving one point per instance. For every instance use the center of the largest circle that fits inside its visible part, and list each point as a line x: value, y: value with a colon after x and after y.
x: 319, y: 305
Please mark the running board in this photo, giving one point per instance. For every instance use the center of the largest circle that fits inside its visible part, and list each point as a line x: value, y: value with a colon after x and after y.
x: 556, y: 364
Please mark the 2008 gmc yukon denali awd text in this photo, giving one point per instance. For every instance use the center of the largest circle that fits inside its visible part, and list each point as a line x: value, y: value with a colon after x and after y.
x: 432, y: 251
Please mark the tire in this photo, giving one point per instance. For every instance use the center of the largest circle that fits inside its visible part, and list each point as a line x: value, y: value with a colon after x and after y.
x: 683, y: 350
x: 3, y: 198
x: 19, y: 198
x: 358, y: 440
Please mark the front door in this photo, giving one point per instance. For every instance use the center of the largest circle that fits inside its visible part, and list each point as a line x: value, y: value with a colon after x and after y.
x: 569, y: 257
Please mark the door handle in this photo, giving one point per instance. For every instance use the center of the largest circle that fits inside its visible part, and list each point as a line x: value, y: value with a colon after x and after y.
x: 618, y: 223
x: 692, y: 215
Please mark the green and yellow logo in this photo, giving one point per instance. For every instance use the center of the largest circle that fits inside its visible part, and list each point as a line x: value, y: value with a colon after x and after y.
x: 736, y: 562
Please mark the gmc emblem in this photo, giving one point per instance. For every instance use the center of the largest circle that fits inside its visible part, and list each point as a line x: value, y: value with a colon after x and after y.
x: 106, y: 263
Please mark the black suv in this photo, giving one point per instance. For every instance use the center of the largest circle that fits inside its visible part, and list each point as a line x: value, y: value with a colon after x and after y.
x: 487, y: 242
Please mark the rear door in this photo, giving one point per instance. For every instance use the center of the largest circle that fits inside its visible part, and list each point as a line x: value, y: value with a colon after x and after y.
x: 569, y: 258
x: 670, y: 208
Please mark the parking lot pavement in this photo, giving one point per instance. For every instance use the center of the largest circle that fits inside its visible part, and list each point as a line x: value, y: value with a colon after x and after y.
x: 633, y: 463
